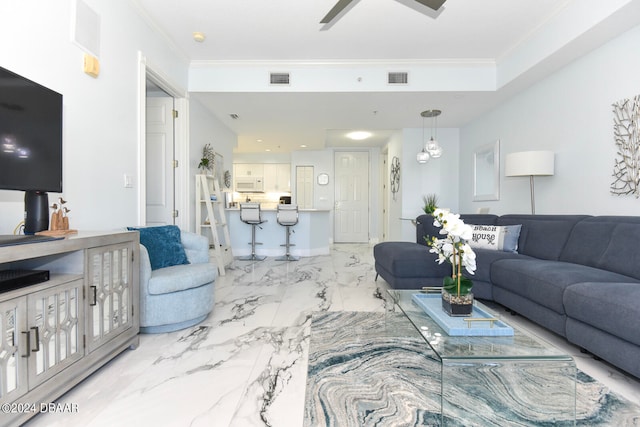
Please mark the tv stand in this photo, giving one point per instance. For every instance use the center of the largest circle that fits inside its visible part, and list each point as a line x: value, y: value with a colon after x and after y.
x: 57, y: 333
x: 23, y: 239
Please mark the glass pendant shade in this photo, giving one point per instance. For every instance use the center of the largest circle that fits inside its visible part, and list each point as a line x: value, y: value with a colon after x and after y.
x: 422, y: 157
x: 434, y: 149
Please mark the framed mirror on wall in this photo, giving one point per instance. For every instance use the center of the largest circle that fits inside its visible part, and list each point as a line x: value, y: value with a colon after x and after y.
x: 486, y: 172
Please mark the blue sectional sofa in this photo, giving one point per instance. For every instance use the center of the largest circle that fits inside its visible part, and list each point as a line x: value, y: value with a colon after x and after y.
x: 576, y: 275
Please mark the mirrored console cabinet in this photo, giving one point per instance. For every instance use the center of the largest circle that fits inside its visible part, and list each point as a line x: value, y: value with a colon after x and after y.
x: 78, y: 320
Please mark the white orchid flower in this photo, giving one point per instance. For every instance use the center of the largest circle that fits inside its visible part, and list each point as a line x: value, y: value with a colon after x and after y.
x: 439, y: 216
x: 453, y: 247
x: 468, y: 258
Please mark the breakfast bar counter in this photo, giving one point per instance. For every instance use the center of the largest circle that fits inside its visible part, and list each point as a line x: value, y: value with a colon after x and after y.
x: 311, y: 236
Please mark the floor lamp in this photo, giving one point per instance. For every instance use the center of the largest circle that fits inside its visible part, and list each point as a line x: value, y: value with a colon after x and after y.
x: 530, y: 163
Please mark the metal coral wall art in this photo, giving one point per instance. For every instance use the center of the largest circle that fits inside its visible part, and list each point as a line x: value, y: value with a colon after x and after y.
x: 626, y: 132
x: 395, y: 176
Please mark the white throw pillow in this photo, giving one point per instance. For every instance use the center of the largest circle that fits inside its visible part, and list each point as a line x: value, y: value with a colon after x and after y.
x: 496, y: 237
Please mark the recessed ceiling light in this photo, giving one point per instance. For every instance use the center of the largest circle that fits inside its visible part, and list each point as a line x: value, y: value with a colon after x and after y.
x: 303, y: 146
x: 268, y: 149
x: 359, y: 135
x: 199, y: 36
x: 258, y: 140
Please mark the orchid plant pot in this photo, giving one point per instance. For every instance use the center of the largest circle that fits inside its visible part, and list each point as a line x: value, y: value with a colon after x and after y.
x: 457, y: 305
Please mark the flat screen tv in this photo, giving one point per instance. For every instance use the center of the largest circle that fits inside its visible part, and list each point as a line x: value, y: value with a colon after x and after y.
x: 30, y: 144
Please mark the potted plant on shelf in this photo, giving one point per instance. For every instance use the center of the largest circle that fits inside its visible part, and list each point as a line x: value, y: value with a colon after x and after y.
x: 457, y: 299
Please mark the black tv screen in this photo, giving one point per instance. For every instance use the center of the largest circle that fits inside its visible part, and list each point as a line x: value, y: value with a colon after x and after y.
x: 30, y: 135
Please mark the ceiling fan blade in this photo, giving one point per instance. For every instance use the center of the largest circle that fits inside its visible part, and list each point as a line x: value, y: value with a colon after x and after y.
x: 339, y: 7
x: 433, y: 4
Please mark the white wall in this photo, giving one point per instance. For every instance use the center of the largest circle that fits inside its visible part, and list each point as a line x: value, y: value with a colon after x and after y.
x: 570, y: 113
x: 322, y: 162
x: 100, y: 115
x: 266, y: 157
x: 324, y: 196
x: 204, y: 129
x: 437, y: 176
x: 394, y: 210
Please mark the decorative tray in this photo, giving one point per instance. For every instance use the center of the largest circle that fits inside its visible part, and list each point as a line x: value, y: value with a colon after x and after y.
x: 468, y: 326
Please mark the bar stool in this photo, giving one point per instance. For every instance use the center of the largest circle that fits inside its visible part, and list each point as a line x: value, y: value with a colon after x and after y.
x: 287, y: 216
x: 250, y: 214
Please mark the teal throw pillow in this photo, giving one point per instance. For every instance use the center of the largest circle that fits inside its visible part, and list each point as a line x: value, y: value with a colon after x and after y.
x: 163, y: 244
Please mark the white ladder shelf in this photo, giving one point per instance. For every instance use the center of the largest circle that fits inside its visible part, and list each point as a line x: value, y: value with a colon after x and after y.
x: 217, y: 220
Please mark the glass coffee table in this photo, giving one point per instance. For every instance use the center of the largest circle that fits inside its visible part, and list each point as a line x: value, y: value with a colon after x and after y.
x: 529, y: 377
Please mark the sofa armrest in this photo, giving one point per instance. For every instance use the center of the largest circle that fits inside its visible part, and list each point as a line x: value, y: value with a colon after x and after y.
x: 195, y: 246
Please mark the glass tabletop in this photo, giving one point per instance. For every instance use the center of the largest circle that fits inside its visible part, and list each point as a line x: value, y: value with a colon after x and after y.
x: 522, y: 345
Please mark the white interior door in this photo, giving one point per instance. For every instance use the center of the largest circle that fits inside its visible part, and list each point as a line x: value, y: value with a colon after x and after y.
x: 160, y: 187
x: 351, y: 219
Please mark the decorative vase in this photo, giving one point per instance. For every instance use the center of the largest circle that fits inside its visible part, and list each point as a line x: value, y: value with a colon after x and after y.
x: 455, y: 305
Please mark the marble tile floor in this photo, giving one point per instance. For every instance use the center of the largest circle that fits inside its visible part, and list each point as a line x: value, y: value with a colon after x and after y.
x: 246, y: 364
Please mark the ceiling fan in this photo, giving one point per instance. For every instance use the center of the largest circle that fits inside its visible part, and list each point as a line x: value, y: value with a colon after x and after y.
x: 342, y: 4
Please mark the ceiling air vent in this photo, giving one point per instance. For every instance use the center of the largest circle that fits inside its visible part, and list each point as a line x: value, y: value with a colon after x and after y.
x: 279, y: 78
x: 398, y: 78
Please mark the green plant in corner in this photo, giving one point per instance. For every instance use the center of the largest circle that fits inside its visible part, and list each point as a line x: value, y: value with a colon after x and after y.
x: 430, y: 203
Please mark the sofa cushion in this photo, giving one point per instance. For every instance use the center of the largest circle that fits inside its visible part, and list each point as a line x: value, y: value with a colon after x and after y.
x: 544, y: 282
x: 486, y: 257
x: 609, y: 243
x: 181, y: 277
x: 542, y: 236
x: 408, y: 259
x: 610, y: 307
x: 495, y: 237
x: 163, y: 245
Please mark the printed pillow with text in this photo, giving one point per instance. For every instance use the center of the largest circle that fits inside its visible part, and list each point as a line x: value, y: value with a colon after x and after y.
x: 496, y: 237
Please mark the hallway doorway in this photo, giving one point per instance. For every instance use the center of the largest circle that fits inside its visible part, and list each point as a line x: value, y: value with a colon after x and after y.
x: 351, y: 219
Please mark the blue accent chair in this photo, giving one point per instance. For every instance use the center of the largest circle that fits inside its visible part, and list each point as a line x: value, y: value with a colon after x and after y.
x: 179, y: 296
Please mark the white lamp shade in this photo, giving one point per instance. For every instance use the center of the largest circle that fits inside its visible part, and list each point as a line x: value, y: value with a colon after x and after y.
x: 527, y: 163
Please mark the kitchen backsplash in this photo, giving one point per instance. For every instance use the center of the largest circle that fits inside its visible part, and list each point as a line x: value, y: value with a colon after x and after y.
x: 266, y: 200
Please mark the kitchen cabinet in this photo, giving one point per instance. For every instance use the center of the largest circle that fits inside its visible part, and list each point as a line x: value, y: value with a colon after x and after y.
x: 277, y: 177
x: 248, y: 169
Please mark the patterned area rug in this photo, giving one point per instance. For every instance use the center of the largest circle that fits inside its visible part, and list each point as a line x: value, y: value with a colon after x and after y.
x: 367, y: 369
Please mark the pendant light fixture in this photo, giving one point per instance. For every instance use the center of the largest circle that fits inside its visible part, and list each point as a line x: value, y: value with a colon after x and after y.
x: 432, y: 148
x: 423, y: 156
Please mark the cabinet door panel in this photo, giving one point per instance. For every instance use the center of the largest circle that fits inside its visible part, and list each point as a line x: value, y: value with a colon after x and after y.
x: 13, y: 367
x: 277, y: 177
x: 110, y: 280
x: 248, y: 169
x: 55, y: 330
x: 304, y: 187
x: 284, y: 177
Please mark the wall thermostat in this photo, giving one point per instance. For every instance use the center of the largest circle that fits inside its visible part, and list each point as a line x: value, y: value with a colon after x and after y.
x: 323, y: 179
